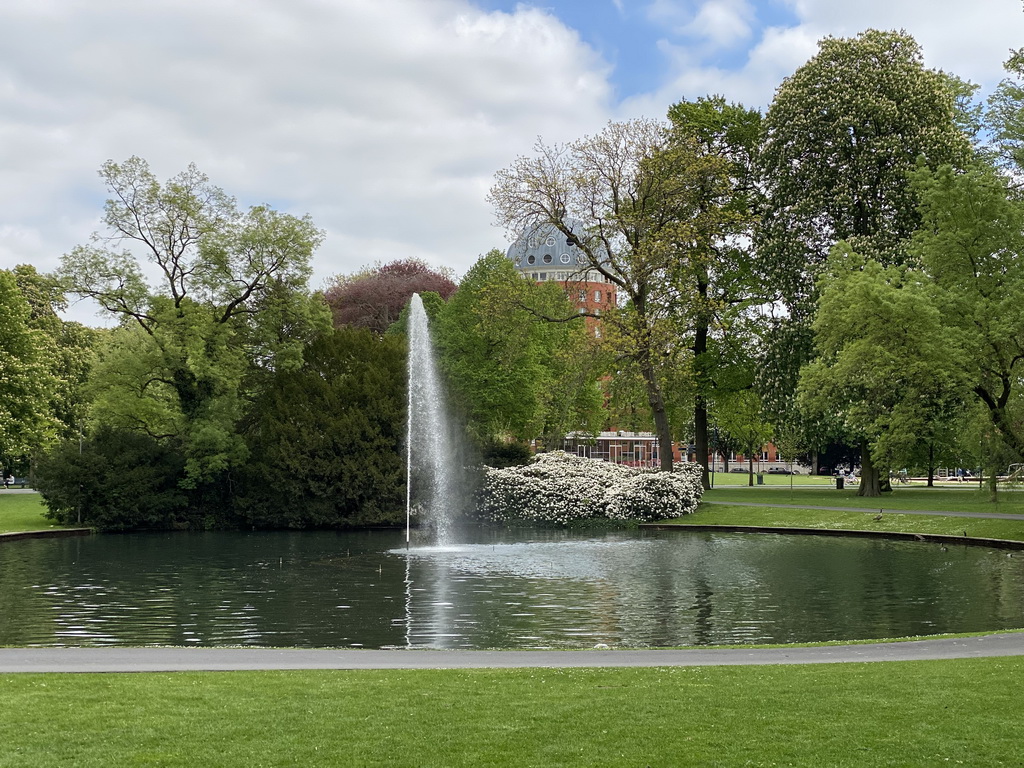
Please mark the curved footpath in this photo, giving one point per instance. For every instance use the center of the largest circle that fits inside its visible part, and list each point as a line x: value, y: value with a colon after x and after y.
x: 233, y: 659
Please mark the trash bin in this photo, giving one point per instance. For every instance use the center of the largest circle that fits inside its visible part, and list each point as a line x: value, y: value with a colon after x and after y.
x: 760, y: 479
x: 839, y: 482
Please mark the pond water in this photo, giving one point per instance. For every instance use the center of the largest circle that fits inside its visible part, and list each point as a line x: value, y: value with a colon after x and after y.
x: 501, y: 590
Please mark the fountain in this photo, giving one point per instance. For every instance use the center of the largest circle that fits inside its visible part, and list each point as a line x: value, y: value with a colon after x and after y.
x: 430, y: 459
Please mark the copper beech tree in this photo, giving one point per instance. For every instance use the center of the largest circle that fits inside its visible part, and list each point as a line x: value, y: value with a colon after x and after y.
x: 374, y: 298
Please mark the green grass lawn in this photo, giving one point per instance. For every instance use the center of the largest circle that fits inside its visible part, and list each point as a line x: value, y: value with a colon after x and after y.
x: 947, y: 499
x: 884, y: 714
x: 860, y: 514
x: 742, y: 479
x: 23, y: 512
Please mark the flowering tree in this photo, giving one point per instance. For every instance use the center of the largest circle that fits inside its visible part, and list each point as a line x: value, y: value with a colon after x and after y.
x: 560, y: 488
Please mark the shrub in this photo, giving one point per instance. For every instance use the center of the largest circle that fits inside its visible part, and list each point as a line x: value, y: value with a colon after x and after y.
x: 560, y: 488
x: 115, y: 480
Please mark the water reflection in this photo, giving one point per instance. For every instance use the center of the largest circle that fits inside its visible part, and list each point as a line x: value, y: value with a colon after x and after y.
x: 501, y: 590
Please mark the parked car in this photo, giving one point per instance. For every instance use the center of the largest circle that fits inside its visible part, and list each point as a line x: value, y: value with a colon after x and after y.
x: 778, y: 471
x: 738, y: 469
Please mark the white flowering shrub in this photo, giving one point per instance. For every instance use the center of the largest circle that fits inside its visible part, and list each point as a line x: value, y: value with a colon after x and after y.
x: 561, y: 488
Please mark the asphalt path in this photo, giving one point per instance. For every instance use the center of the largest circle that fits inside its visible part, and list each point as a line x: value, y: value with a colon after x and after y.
x: 13, y: 660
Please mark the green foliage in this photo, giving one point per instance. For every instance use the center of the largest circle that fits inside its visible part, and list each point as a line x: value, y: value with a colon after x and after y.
x: 886, y: 367
x: 28, y: 383
x: 841, y: 136
x: 514, y: 374
x: 970, y: 246
x: 114, y: 480
x: 230, y: 308
x: 326, y: 439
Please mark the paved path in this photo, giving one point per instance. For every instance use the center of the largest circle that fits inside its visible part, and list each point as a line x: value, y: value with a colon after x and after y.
x: 228, y: 659
x: 869, y: 510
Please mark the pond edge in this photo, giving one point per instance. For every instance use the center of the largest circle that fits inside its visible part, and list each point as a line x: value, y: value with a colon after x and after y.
x: 938, y: 538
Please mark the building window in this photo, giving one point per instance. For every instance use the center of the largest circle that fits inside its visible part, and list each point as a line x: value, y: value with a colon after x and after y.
x: 564, y: 258
x: 597, y: 331
x: 543, y: 276
x: 531, y: 259
x: 550, y: 242
x: 597, y: 297
x: 547, y: 258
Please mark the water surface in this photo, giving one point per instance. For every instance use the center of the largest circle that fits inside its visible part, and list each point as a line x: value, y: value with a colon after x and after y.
x: 502, y: 590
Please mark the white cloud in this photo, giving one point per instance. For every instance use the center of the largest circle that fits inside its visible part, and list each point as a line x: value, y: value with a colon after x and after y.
x: 968, y: 39
x: 723, y: 23
x: 385, y: 120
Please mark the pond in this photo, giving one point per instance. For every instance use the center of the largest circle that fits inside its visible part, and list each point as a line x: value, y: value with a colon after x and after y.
x: 537, y: 589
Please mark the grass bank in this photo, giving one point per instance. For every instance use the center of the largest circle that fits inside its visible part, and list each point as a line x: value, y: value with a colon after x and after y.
x: 23, y: 512
x: 903, y: 498
x: 861, y: 514
x: 897, y: 713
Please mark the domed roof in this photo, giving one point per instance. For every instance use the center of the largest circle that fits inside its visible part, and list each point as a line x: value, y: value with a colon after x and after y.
x: 544, y: 247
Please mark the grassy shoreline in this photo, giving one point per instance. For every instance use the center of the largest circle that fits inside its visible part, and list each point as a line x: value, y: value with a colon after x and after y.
x: 889, y: 514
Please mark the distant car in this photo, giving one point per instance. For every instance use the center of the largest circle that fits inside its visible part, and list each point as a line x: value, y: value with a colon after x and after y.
x: 738, y: 469
x: 824, y: 471
x: 778, y: 471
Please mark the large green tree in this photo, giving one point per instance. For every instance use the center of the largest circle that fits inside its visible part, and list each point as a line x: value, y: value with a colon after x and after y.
x: 715, y: 275
x: 885, y: 365
x: 514, y: 375
x: 326, y: 438
x: 970, y: 245
x: 841, y: 137
x: 71, y: 345
x: 227, y: 305
x: 28, y: 384
x: 630, y: 198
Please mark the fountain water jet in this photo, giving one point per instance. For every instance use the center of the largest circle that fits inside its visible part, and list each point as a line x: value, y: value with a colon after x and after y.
x: 429, y: 454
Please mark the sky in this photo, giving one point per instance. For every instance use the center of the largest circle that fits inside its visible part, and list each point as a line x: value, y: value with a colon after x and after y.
x: 386, y: 120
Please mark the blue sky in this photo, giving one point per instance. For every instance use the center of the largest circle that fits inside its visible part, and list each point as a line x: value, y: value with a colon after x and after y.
x: 386, y: 120
x: 627, y: 33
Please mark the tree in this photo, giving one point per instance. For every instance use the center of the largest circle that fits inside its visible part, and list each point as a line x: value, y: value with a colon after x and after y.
x: 325, y: 439
x: 637, y: 194
x: 375, y: 298
x: 715, y: 275
x: 970, y: 245
x: 229, y: 304
x: 27, y: 382
x: 114, y: 480
x: 516, y: 376
x: 841, y: 137
x: 71, y: 345
x: 884, y: 364
x: 741, y: 420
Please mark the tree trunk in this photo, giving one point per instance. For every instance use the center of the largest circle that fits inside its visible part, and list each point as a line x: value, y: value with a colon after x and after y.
x: 869, y: 480
x: 700, y: 403
x: 750, y: 469
x: 700, y: 436
x: 931, y: 465
x: 656, y: 399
